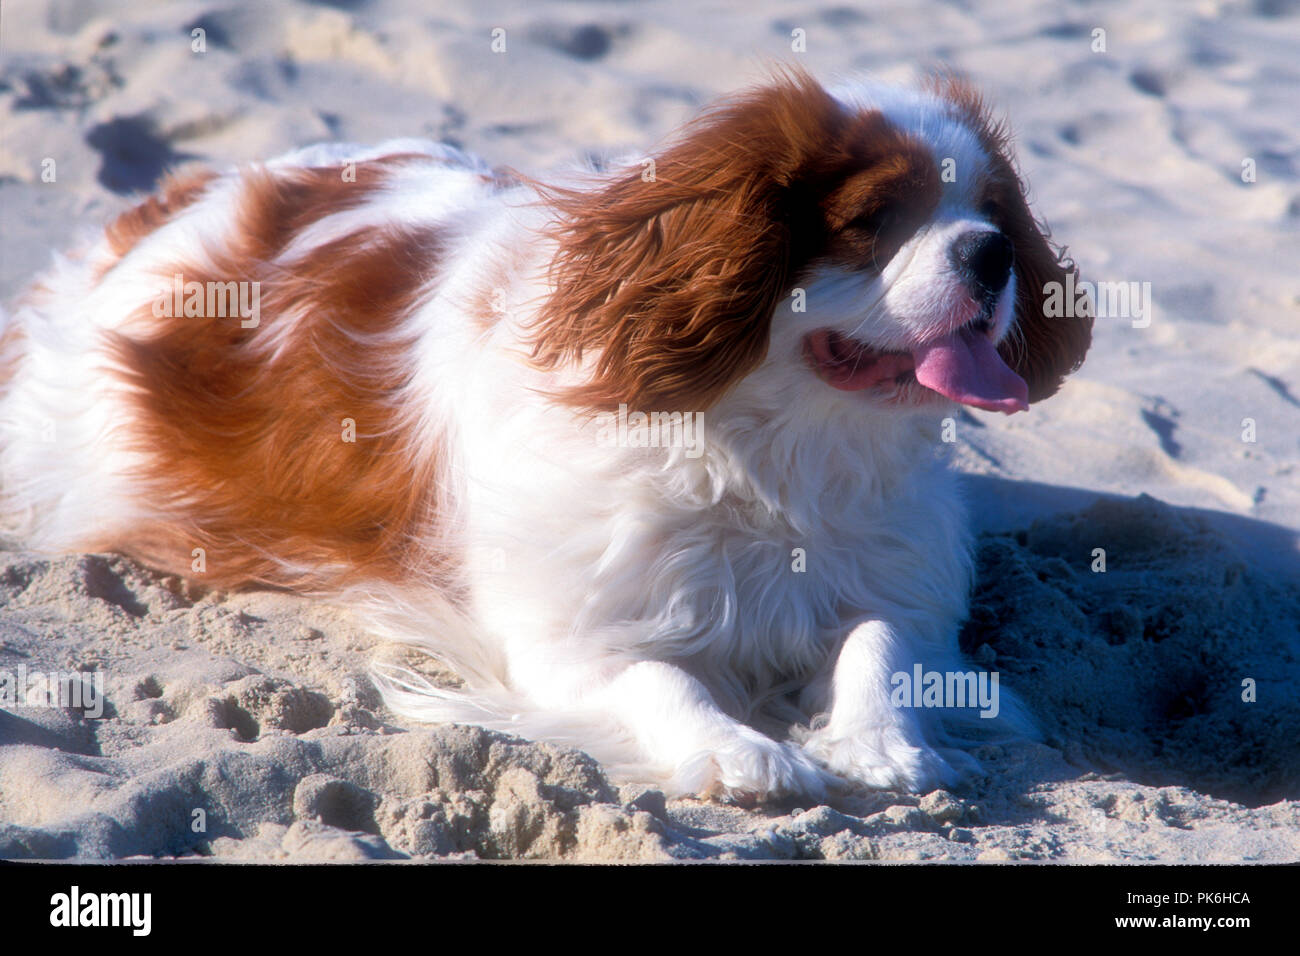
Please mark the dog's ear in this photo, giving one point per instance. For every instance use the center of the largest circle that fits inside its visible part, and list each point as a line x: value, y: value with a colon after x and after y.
x: 1053, y: 327
x: 668, y: 276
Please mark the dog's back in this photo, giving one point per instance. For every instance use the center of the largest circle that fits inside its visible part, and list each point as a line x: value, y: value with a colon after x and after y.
x: 146, y: 382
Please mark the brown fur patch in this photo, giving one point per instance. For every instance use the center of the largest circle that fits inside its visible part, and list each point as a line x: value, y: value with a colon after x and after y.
x: 277, y: 205
x: 245, y: 441
x: 674, y: 281
x: 178, y: 191
x: 295, y: 198
x: 1042, y: 349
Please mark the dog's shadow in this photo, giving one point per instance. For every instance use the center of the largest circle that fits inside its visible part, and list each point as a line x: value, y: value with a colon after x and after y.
x: 1155, y: 642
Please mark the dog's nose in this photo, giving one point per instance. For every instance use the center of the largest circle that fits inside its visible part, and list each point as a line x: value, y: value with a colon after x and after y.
x: 983, y: 260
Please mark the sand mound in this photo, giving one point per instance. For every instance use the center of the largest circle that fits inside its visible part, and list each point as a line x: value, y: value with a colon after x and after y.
x: 1142, y: 668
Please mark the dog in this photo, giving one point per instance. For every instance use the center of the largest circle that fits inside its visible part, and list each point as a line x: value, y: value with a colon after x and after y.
x: 648, y: 455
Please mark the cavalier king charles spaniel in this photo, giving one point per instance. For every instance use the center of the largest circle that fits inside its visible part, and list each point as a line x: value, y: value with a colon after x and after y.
x: 649, y: 456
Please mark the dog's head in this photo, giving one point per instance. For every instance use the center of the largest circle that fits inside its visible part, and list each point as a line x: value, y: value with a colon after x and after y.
x: 877, y: 239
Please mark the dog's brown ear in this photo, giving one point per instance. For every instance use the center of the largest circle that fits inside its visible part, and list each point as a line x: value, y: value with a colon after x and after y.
x: 1053, y: 319
x: 669, y: 275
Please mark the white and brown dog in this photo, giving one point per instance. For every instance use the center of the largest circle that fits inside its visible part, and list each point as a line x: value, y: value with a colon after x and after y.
x: 569, y: 437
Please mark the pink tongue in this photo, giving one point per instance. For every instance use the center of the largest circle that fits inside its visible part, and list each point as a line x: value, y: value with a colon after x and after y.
x: 966, y: 367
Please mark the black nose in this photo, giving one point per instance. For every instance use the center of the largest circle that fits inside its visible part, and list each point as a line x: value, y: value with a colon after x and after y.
x: 983, y: 260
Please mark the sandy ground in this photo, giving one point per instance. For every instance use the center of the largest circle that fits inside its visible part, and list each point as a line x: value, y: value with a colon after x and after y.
x: 243, y: 725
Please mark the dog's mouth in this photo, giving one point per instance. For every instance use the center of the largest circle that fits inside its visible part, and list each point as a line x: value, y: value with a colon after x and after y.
x: 963, y: 366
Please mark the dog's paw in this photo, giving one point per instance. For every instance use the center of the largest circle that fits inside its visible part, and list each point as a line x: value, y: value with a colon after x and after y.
x: 747, y: 767
x: 882, y: 761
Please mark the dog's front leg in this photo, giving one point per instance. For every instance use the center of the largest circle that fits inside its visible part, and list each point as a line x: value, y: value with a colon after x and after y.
x: 680, y: 734
x: 678, y: 725
x: 866, y: 738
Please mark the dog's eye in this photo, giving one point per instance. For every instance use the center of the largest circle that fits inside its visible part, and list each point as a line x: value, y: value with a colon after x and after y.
x: 885, y: 231
x: 875, y: 222
x: 865, y: 222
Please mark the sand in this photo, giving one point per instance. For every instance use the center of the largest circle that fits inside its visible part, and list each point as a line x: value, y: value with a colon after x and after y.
x: 243, y: 726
